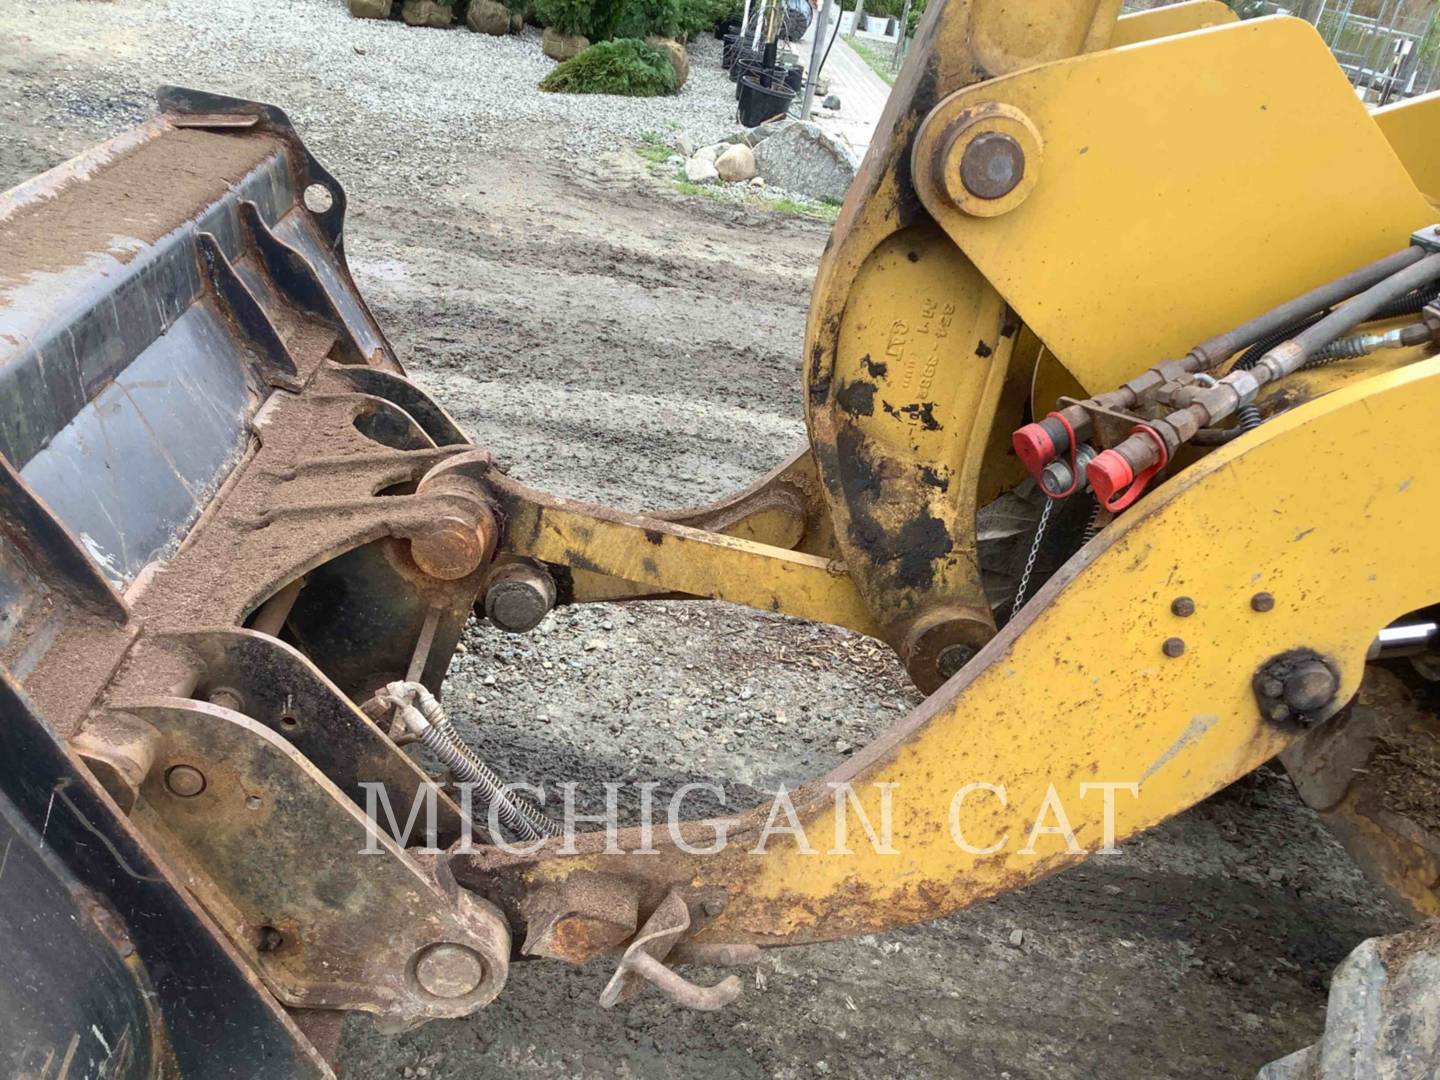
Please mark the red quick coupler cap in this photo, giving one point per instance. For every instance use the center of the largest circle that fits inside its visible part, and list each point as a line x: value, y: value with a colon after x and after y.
x: 1034, y: 448
x: 1108, y: 474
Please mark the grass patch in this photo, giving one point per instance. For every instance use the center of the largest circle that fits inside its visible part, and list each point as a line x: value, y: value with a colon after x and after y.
x: 821, y: 211
x: 877, y: 61
x: 656, y: 149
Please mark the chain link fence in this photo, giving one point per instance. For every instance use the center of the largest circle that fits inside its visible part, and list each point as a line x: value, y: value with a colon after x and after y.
x: 1390, y: 49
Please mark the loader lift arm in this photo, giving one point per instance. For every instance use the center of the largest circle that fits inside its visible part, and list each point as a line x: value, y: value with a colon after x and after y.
x: 291, y: 535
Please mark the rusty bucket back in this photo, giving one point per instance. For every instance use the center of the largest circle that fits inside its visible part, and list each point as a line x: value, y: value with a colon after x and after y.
x: 198, y: 416
x: 153, y: 289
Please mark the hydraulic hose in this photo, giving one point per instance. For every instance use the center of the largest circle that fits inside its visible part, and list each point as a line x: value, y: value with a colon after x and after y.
x: 1219, y: 348
x: 1286, y: 358
x: 1044, y: 440
x: 1120, y: 474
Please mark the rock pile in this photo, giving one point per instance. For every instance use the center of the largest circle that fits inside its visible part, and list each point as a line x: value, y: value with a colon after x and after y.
x: 798, y: 157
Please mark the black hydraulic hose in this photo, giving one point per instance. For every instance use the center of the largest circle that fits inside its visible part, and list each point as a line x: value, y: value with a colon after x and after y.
x: 1408, y: 305
x: 1214, y: 351
x: 1284, y: 359
x: 1248, y: 417
x: 833, y: 35
x: 1277, y: 337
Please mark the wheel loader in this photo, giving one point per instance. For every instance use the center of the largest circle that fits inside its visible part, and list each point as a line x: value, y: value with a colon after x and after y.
x: 1123, y: 412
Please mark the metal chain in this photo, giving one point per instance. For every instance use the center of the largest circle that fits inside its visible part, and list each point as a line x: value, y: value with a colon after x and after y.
x: 1030, y: 562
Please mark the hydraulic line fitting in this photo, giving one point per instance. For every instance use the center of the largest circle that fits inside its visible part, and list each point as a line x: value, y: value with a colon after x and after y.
x: 1143, y: 454
x: 1118, y: 474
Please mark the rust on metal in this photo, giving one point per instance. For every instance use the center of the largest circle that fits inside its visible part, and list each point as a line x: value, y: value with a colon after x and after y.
x: 643, y: 961
x: 584, y: 916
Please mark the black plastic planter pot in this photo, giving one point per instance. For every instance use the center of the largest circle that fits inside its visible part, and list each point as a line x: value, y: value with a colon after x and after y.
x: 745, y: 58
x: 758, y: 73
x: 746, y: 67
x: 759, y: 103
x: 795, y: 78
x: 728, y: 50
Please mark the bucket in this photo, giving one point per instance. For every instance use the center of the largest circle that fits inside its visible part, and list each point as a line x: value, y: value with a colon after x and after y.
x: 759, y: 103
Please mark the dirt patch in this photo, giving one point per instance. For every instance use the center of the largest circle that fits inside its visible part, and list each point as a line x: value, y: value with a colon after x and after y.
x: 134, y: 198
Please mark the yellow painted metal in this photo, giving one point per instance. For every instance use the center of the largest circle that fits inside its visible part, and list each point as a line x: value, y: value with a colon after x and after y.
x: 1170, y: 20
x: 864, y: 294
x: 1078, y: 690
x: 1189, y: 183
x: 920, y: 362
x: 1413, y: 130
x: 662, y: 556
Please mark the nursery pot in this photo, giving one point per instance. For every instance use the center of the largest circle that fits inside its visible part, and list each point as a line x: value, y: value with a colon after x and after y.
x: 759, y: 103
x: 795, y: 78
x: 744, y: 56
x: 759, y: 74
x: 746, y: 63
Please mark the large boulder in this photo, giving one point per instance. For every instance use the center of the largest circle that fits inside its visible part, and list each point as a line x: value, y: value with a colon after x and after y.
x: 1383, y: 1019
x: 488, y: 17
x: 701, y: 170
x: 426, y: 13
x: 808, y: 161
x: 676, y: 54
x: 371, y: 9
x: 756, y: 135
x: 736, y: 163
x: 560, y: 46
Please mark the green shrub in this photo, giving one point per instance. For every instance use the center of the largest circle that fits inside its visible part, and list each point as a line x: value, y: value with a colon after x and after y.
x: 644, y: 18
x: 696, y: 16
x: 917, y: 11
x: 624, y: 66
x: 565, y: 16
x: 604, y: 18
x: 594, y: 19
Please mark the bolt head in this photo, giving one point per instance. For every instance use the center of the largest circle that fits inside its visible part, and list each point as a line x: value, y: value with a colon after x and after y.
x: 448, y: 971
x: 1056, y: 477
x: 1278, y: 712
x: 992, y: 165
x: 1182, y: 606
x: 952, y: 658
x: 714, y: 906
x: 1173, y: 647
x: 227, y: 698
x: 1262, y: 601
x: 517, y: 606
x: 184, y: 781
x: 448, y: 548
x: 1311, y: 687
x: 1273, y: 688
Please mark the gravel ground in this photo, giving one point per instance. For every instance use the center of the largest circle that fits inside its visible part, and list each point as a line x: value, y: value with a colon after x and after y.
x: 427, y: 101
x: 614, y: 341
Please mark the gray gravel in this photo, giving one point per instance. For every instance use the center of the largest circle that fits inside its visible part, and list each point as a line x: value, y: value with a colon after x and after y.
x: 438, y: 97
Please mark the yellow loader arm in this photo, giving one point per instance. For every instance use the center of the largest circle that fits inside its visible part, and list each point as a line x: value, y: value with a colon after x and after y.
x: 1159, y: 287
